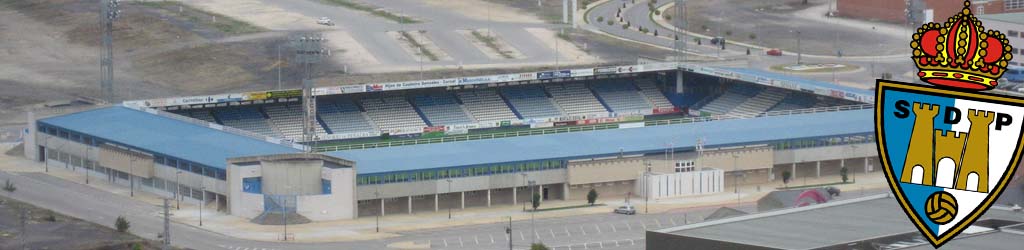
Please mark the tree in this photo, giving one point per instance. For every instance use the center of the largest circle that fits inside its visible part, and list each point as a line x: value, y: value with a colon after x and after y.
x: 843, y: 173
x: 136, y: 246
x: 600, y: 19
x: 592, y: 196
x: 536, y: 201
x: 786, y: 177
x: 752, y: 36
x: 9, y: 186
x: 122, y: 224
x: 538, y: 246
x: 655, y: 32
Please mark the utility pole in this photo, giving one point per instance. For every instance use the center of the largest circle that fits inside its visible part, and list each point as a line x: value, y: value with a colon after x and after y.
x: 108, y: 13
x: 533, y: 226
x: 508, y: 231
x: 167, y: 225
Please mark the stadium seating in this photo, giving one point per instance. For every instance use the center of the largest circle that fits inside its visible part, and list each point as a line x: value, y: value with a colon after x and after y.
x: 392, y: 112
x: 442, y: 109
x: 655, y: 96
x: 761, y: 102
x: 575, y: 99
x: 247, y: 118
x: 621, y: 96
x: 202, y: 114
x: 288, y: 119
x: 343, y: 116
x: 485, y: 105
x: 531, y: 102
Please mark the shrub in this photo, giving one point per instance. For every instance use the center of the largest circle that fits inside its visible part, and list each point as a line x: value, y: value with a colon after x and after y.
x: 538, y: 246
x: 9, y: 186
x: 50, y: 217
x: 843, y: 174
x: 786, y: 177
x: 536, y: 201
x: 592, y: 196
x: 122, y: 224
x: 600, y: 19
x: 625, y: 26
x: 752, y: 36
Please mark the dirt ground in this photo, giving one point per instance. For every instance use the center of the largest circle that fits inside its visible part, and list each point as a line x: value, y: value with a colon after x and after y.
x: 772, y: 23
x: 46, y: 234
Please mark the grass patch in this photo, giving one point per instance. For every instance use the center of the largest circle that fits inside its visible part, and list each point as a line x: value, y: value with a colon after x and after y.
x: 817, y: 185
x: 372, y: 10
x: 567, y: 207
x: 490, y: 41
x: 223, y: 24
x: 423, y: 50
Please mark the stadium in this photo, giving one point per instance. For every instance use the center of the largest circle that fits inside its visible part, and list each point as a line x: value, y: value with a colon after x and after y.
x: 651, y: 130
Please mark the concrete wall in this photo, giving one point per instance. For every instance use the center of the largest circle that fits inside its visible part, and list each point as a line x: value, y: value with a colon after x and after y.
x: 604, y: 170
x: 242, y: 204
x: 747, y: 158
x: 605, y: 191
x: 292, y: 177
x: 825, y: 153
x: 684, y: 183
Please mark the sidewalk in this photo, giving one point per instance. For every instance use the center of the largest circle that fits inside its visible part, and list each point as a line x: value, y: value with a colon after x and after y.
x: 365, y: 228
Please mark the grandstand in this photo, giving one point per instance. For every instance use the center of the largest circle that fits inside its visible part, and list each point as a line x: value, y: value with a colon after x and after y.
x: 530, y: 102
x: 442, y: 109
x: 486, y: 106
x: 392, y: 113
x: 575, y: 99
x: 621, y: 97
x: 342, y: 116
x: 540, y: 115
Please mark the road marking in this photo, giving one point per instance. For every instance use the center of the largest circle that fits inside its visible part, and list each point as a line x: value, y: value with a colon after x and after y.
x: 616, y: 243
x: 567, y: 234
x: 460, y: 242
x: 508, y: 237
x: 521, y: 237
x: 631, y: 242
x: 476, y: 239
x: 645, y: 225
x: 445, y: 242
x: 583, y: 231
x: 536, y: 234
x: 628, y: 227
x: 657, y: 222
x: 492, y: 238
x: 601, y: 244
x: 613, y: 228
x: 673, y: 220
x: 552, y: 231
x: 598, y: 229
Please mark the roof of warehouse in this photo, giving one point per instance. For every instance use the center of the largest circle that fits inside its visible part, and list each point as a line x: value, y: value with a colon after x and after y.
x: 803, y: 82
x: 607, y: 142
x: 166, y: 136
x: 836, y: 223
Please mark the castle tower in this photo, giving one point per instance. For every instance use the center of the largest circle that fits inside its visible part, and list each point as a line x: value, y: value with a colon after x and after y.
x: 949, y: 144
x: 919, y: 153
x: 976, y: 151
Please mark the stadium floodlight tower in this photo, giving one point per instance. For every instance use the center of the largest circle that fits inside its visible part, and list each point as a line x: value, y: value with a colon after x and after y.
x: 309, y: 51
x: 108, y: 13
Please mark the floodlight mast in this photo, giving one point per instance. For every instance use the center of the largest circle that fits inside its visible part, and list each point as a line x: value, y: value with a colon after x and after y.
x: 108, y: 13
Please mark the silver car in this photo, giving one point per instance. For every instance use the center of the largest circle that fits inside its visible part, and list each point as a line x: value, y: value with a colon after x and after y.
x: 626, y: 209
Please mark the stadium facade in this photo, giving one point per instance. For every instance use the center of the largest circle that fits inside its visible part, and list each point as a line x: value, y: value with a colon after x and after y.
x: 658, y: 130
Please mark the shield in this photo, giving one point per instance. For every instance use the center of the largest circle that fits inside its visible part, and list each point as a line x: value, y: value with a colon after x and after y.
x: 947, y: 155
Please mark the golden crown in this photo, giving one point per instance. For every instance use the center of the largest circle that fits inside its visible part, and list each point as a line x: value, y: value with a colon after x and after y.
x: 960, y: 53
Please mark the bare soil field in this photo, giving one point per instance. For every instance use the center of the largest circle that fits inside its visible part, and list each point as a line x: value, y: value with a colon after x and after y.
x: 775, y: 23
x: 44, y: 229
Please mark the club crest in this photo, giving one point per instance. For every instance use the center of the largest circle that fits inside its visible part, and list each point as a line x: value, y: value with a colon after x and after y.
x: 948, y: 151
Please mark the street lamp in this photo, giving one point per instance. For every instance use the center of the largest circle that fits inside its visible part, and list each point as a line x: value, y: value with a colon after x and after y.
x: 799, y: 51
x: 203, y: 202
x: 131, y: 175
x: 177, y: 186
x: 86, y: 158
x: 736, y: 178
x: 449, y: 191
x: 533, y: 226
x: 377, y: 195
x: 853, y: 150
x: 647, y: 196
x: 524, y: 184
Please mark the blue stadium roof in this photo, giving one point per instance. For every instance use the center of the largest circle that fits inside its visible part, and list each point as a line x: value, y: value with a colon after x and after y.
x: 803, y: 82
x: 608, y: 142
x: 166, y: 136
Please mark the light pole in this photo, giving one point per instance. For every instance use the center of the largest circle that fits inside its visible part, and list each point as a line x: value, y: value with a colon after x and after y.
x: 377, y: 195
x: 449, y: 191
x: 86, y: 158
x: 131, y: 176
x: 524, y: 184
x: 46, y: 162
x: 736, y: 178
x: 203, y: 202
x: 533, y: 226
x: 647, y: 196
x: 177, y: 186
x: 853, y: 150
x: 799, y: 51
x: 508, y: 231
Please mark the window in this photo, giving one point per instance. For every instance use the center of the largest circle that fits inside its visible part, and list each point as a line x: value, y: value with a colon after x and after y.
x: 1013, y: 4
x: 684, y: 166
x: 1012, y: 33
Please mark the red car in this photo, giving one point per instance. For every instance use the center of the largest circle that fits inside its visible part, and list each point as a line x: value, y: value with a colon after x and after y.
x: 774, y: 52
